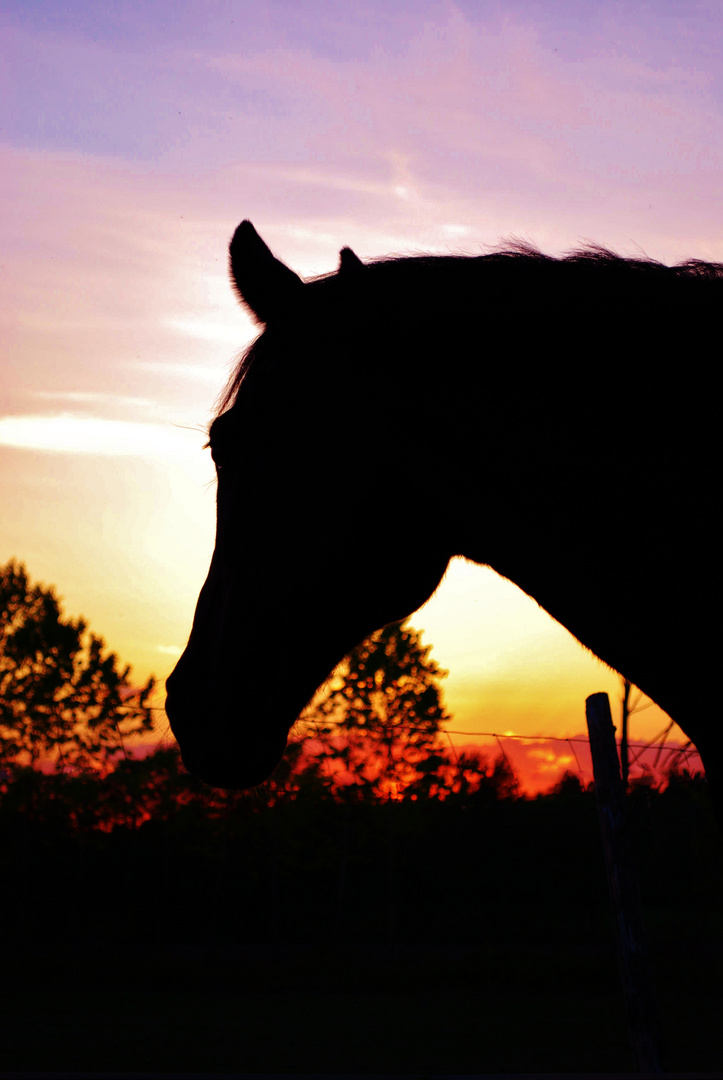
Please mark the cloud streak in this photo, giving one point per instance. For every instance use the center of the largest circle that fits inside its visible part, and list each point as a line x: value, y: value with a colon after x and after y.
x: 69, y: 434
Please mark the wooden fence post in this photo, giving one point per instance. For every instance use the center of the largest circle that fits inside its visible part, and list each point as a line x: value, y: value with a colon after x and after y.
x: 638, y: 986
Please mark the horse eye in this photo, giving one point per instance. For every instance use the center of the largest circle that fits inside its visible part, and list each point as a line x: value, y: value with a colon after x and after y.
x: 217, y: 444
x: 214, y: 453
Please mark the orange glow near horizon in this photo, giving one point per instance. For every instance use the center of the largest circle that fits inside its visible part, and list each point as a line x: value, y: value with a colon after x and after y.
x: 538, y: 764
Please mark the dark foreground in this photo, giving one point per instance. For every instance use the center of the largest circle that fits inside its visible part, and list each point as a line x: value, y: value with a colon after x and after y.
x: 317, y: 938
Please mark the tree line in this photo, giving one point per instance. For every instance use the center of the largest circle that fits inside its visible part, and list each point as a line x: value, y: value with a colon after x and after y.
x: 70, y: 717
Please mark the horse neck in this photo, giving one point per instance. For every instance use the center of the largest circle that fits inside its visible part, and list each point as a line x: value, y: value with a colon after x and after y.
x: 493, y: 442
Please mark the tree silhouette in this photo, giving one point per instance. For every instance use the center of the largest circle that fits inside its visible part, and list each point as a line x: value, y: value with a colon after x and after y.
x: 63, y: 700
x: 382, y: 712
x: 478, y: 780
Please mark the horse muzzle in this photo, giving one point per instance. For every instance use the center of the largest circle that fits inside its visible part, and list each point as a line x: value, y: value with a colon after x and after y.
x: 224, y: 743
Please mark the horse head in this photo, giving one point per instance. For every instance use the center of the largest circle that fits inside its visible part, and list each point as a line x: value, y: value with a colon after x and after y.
x: 323, y: 526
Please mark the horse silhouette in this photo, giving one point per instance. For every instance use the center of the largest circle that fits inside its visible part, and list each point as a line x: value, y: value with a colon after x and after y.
x: 554, y: 419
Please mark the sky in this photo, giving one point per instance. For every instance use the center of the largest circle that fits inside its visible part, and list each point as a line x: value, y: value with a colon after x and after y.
x: 136, y: 135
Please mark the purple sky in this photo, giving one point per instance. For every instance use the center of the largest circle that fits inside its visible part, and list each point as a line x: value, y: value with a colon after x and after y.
x: 134, y: 138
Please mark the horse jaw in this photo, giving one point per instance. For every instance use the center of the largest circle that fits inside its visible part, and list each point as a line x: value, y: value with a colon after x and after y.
x: 234, y: 694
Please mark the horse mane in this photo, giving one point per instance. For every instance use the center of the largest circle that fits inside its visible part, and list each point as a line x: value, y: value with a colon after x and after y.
x: 519, y: 255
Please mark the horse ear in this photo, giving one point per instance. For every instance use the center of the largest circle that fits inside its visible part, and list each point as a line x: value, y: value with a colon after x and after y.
x: 263, y: 283
x: 349, y: 263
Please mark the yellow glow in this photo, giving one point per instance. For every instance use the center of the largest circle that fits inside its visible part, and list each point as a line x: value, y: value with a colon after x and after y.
x: 513, y: 669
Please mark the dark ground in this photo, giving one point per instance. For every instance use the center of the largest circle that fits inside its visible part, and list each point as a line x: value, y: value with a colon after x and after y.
x: 371, y: 939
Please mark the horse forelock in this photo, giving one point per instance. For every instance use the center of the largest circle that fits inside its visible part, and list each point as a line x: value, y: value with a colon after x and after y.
x: 230, y: 391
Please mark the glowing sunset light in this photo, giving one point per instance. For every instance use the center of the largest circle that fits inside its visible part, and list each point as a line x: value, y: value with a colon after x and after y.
x: 132, y: 147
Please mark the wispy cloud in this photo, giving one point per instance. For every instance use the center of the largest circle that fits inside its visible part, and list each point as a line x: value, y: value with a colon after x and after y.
x: 96, y: 397
x: 70, y: 434
x: 208, y: 330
